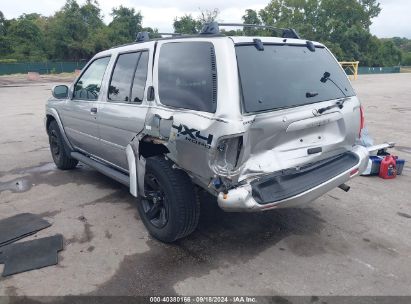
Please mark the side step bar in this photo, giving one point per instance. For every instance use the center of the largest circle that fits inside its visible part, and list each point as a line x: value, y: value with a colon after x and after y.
x: 110, y: 172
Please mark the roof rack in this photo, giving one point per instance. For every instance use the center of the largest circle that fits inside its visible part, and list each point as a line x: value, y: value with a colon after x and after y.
x: 142, y: 37
x: 213, y: 28
x: 169, y: 34
x: 145, y: 36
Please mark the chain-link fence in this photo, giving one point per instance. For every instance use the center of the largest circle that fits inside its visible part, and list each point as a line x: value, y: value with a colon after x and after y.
x: 69, y: 66
x: 378, y: 70
x: 41, y: 67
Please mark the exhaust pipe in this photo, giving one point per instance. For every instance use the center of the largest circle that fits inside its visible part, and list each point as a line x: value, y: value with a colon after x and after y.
x: 344, y: 187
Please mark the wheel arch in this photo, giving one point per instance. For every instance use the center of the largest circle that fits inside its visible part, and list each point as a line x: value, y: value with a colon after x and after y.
x: 140, y: 148
x: 52, y: 115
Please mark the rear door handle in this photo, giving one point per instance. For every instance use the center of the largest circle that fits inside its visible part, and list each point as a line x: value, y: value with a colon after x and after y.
x: 93, y: 111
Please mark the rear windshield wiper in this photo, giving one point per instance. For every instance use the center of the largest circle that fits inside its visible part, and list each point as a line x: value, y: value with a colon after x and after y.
x: 339, y: 103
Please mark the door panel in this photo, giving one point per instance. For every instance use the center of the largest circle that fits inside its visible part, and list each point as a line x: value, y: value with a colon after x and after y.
x: 80, y: 125
x: 118, y: 124
x: 122, y: 116
x: 79, y: 114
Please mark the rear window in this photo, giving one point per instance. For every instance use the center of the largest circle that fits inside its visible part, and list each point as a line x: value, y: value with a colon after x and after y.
x: 283, y: 76
x: 187, y: 76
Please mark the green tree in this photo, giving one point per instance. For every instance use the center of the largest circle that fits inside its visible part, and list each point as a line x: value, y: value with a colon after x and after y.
x: 390, y: 54
x: 68, y: 33
x: 343, y: 25
x: 252, y: 17
x: 2, y: 23
x: 406, y: 59
x: 26, y: 38
x: 125, y: 25
x: 186, y: 25
x: 189, y: 25
x: 5, y: 46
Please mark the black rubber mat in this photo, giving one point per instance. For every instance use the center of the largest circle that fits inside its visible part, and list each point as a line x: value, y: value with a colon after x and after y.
x: 35, y: 254
x: 19, y: 226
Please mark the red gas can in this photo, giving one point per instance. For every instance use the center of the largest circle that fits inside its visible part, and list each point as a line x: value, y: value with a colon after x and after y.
x: 388, y: 167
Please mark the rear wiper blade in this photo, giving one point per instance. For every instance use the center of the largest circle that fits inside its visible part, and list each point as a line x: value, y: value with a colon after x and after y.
x: 339, y: 104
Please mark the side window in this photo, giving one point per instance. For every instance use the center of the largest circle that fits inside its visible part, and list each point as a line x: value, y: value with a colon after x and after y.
x: 120, y: 83
x: 89, y: 84
x: 129, y: 77
x: 140, y: 78
x: 187, y: 76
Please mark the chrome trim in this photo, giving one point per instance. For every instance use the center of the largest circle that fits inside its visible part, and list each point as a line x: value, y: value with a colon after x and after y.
x: 101, y: 160
x: 112, y: 144
x: 81, y: 133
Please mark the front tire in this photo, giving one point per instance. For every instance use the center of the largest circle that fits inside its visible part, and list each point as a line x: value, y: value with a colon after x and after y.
x: 171, y: 208
x: 59, y: 153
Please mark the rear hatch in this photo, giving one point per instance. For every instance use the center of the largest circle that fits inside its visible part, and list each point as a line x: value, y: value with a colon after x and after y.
x: 285, y: 86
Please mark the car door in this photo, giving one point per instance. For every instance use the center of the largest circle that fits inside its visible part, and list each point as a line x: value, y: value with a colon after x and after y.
x: 122, y: 115
x: 79, y: 113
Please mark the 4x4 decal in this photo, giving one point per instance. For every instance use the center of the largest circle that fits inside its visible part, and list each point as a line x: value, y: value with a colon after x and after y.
x: 194, y: 135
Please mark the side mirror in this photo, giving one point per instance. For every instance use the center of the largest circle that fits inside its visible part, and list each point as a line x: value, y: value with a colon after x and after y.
x: 60, y: 91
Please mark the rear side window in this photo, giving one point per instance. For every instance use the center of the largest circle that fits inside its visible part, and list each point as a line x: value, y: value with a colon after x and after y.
x: 140, y: 78
x: 187, y: 76
x: 89, y: 84
x: 129, y: 78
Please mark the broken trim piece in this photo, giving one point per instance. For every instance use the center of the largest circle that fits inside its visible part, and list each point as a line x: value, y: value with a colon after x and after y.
x: 137, y: 166
x: 132, y: 169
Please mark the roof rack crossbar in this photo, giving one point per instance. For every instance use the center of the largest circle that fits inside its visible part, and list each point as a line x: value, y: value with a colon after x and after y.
x: 170, y: 34
x: 214, y: 28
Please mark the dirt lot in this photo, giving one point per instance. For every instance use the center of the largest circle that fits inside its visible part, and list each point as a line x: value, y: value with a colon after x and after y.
x: 355, y: 243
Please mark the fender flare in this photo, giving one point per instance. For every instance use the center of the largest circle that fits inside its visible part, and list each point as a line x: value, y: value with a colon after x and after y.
x: 53, y: 112
x: 136, y: 167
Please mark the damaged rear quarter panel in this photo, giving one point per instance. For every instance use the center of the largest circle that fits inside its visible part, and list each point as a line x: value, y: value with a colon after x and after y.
x: 193, y: 135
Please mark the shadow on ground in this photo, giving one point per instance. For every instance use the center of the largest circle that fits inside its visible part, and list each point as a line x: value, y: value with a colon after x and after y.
x: 221, y: 240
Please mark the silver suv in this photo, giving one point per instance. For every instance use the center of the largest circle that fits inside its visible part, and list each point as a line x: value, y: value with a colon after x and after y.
x: 259, y: 122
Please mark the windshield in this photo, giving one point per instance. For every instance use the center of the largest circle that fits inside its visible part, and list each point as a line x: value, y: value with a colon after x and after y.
x: 282, y: 76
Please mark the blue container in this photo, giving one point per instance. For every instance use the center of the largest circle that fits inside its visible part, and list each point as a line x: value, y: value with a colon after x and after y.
x: 376, y: 162
x: 400, y: 166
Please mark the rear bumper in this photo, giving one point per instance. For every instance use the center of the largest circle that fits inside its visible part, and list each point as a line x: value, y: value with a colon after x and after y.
x: 249, y: 198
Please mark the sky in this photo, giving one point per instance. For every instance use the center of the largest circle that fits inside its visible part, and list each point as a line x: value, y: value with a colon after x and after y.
x: 394, y: 20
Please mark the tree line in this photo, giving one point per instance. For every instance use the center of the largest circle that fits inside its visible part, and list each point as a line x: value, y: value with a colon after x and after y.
x: 77, y: 32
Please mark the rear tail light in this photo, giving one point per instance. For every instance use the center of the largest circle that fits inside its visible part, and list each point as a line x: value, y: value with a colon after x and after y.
x: 354, y: 172
x: 227, y: 155
x: 362, y: 121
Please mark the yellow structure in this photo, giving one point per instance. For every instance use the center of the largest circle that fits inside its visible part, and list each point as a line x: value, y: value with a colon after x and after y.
x: 351, y: 66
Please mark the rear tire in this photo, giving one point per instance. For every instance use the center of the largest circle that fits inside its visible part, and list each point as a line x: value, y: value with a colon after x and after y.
x: 58, y: 150
x: 171, y: 208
